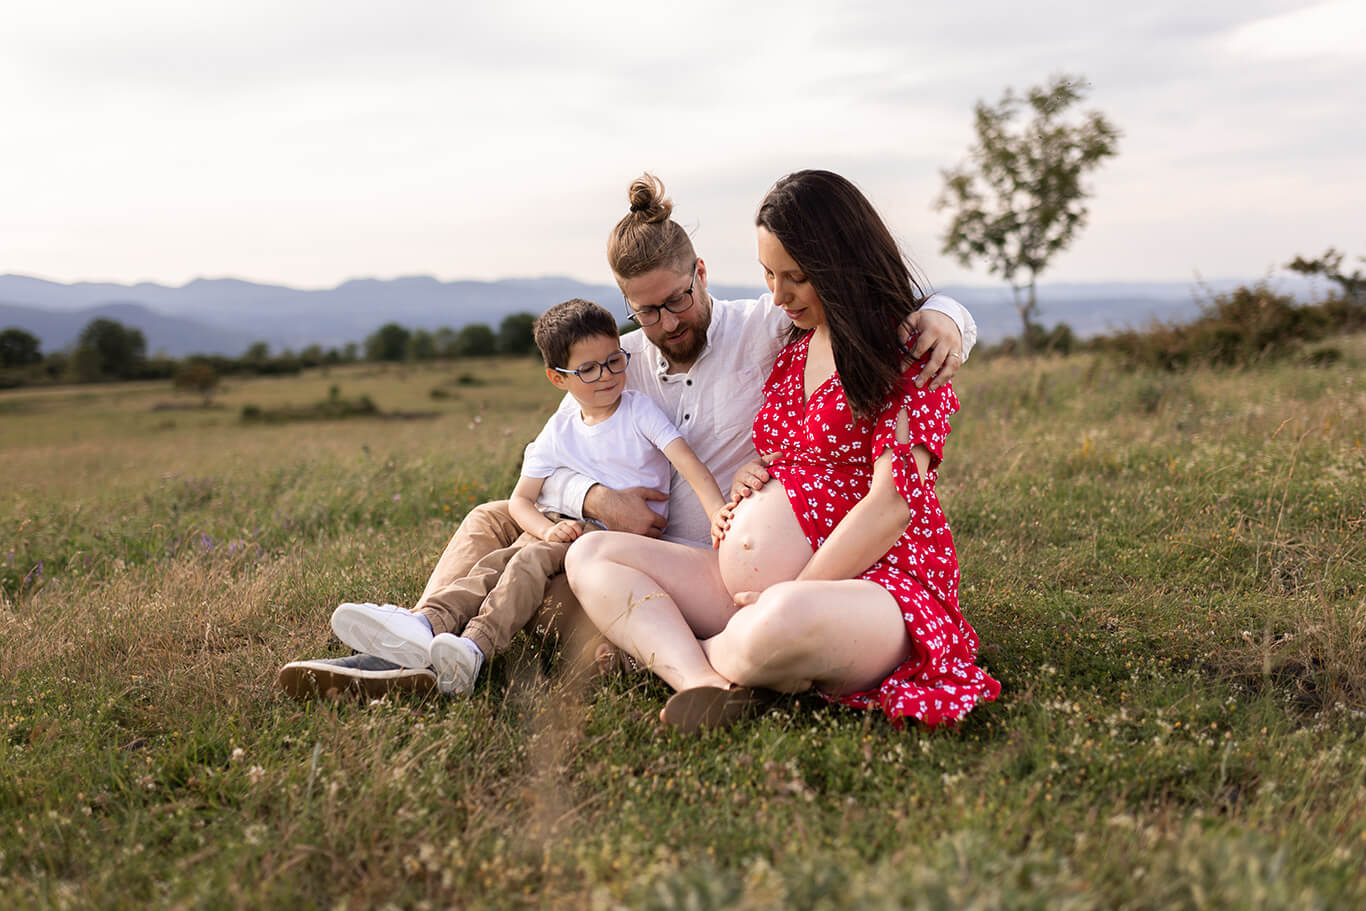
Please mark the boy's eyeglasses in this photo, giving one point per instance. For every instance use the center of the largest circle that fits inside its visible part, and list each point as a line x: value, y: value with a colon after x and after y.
x: 591, y: 371
x: 648, y: 316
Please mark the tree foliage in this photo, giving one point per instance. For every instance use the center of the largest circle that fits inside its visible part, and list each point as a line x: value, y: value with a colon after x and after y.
x: 475, y: 340
x: 421, y: 346
x: 444, y: 340
x: 388, y: 343
x: 106, y: 347
x: 257, y: 353
x: 1019, y: 198
x: 19, y: 348
x: 515, y: 334
x: 1329, y: 265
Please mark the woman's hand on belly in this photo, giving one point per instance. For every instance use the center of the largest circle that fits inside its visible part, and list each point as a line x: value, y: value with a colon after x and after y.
x: 764, y: 543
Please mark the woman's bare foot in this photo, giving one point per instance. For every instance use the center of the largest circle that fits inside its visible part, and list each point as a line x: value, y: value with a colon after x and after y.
x: 693, y: 709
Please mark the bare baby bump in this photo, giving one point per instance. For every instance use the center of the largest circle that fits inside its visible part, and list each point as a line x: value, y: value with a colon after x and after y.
x: 765, y: 544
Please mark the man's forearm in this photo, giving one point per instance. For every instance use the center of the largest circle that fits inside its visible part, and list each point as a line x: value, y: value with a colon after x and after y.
x: 566, y: 492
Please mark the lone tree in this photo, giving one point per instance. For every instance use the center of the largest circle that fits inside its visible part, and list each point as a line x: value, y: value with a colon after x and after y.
x: 1019, y: 198
x: 196, y: 376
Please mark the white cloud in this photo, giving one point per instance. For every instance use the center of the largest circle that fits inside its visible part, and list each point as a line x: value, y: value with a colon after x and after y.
x: 313, y: 141
x: 1336, y: 29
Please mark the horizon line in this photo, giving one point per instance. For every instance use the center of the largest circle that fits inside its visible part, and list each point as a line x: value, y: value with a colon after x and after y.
x: 1194, y: 281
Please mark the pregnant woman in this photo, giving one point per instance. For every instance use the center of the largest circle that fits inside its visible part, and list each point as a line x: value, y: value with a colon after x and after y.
x: 840, y: 571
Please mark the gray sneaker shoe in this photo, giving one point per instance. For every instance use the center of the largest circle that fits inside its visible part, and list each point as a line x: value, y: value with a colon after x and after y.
x: 356, y: 675
x: 384, y: 631
x: 456, y: 663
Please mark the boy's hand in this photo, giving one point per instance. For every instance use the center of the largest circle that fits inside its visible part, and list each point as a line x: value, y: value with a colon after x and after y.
x: 751, y: 476
x: 720, y: 523
x: 564, y: 531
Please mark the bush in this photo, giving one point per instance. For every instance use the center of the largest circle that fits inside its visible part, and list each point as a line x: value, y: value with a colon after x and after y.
x: 1246, y: 326
x: 196, y: 376
x: 332, y: 408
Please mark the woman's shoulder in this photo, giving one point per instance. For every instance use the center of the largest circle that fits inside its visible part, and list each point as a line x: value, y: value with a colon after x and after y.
x: 791, y: 352
x: 796, y: 345
x: 905, y: 390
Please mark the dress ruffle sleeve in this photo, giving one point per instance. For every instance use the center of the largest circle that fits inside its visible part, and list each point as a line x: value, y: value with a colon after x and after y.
x: 927, y: 424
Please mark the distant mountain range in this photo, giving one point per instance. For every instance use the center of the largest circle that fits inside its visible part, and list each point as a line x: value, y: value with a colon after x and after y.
x: 224, y: 316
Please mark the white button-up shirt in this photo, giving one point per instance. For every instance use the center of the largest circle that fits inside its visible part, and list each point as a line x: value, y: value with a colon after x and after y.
x: 713, y: 403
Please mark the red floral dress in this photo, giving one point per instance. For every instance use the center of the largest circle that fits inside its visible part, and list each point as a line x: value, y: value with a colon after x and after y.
x: 826, y: 467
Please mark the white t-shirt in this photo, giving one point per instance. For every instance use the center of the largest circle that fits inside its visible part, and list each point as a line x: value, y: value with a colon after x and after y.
x: 713, y: 403
x: 626, y: 450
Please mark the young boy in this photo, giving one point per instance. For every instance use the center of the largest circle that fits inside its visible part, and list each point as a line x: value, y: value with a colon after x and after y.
x: 615, y: 435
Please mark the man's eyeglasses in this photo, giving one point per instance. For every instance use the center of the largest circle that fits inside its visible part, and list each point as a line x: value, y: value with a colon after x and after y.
x: 648, y: 316
x: 591, y: 371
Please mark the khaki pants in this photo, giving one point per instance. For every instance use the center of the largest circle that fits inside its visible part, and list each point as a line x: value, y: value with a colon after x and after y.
x: 493, y: 580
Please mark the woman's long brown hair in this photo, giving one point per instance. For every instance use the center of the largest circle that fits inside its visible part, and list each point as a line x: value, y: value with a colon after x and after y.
x: 864, y: 283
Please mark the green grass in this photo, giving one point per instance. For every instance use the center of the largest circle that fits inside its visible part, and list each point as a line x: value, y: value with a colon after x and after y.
x: 1167, y: 572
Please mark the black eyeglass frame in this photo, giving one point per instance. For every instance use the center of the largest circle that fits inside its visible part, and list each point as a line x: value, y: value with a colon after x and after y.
x: 598, y: 367
x: 682, y: 305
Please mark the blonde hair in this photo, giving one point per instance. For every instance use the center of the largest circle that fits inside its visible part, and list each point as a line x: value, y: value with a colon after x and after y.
x: 647, y: 238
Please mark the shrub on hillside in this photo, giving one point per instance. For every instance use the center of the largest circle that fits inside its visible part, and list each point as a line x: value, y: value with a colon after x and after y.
x: 1245, y: 326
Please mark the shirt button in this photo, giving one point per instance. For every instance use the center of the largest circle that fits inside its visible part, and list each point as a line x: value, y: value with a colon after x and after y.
x: 686, y: 416
x: 689, y: 382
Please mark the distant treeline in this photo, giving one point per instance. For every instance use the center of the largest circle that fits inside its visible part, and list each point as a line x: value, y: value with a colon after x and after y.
x: 1249, y: 324
x: 107, y: 350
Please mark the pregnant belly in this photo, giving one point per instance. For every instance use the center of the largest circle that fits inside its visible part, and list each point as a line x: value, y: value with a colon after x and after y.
x: 765, y: 544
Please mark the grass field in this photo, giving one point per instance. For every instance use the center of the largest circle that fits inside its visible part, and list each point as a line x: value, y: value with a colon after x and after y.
x: 1167, y: 572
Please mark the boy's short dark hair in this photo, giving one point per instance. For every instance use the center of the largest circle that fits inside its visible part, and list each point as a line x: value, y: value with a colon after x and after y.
x: 564, y: 324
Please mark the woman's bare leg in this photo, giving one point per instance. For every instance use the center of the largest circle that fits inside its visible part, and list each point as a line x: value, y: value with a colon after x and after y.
x: 654, y: 599
x: 843, y: 637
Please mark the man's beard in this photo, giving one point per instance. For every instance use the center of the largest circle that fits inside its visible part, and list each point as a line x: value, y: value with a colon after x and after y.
x: 688, y: 351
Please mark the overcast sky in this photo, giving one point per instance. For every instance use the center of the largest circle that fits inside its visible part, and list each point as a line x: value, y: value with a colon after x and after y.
x: 305, y: 142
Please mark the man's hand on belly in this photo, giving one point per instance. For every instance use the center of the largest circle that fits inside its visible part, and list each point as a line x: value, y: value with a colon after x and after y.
x: 626, y: 510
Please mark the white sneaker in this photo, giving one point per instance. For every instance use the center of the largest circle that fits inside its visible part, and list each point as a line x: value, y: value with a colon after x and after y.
x: 456, y: 661
x: 389, y: 632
